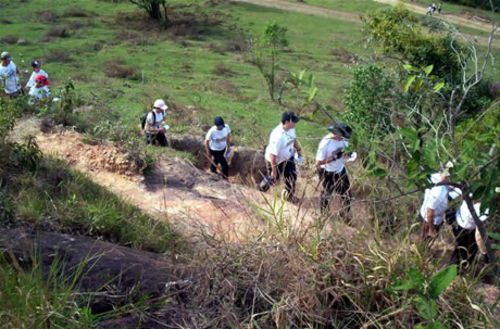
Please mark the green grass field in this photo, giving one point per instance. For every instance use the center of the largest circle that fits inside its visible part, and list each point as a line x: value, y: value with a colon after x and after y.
x: 189, y: 66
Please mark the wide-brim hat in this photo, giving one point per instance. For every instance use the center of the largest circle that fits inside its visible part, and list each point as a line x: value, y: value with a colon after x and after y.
x: 340, y: 129
x: 160, y: 103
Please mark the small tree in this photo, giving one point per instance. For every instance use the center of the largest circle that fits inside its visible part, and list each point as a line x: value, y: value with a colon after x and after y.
x: 153, y: 8
x: 265, y: 52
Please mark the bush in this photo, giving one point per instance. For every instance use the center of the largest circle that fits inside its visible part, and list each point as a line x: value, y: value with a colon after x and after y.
x: 114, y: 69
x: 77, y: 12
x: 10, y: 39
x: 63, y: 56
x: 46, y: 16
x: 57, y: 32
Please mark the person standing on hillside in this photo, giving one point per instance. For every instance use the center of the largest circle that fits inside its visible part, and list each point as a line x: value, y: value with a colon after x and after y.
x: 37, y: 70
x: 280, y: 154
x: 331, y: 168
x: 467, y: 238
x: 217, y: 142
x: 8, y: 75
x: 155, y: 127
x: 40, y: 91
x: 435, y: 205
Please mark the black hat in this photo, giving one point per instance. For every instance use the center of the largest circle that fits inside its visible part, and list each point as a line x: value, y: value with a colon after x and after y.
x: 289, y: 116
x: 219, y: 122
x: 35, y: 63
x: 340, y: 129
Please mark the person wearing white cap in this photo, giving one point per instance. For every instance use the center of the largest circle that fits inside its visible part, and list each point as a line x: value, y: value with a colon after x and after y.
x: 467, y: 238
x: 217, y: 143
x: 8, y: 75
x: 331, y: 169
x: 37, y: 70
x: 155, y: 126
x: 279, y: 156
x: 433, y: 210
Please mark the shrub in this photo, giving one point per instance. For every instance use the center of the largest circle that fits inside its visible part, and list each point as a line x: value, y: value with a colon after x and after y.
x: 221, y: 69
x: 114, y: 69
x: 62, y: 56
x: 76, y: 12
x: 10, y: 39
x: 57, y: 32
x: 46, y: 16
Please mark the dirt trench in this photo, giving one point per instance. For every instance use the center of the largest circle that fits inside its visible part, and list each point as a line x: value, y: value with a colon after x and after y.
x: 176, y: 191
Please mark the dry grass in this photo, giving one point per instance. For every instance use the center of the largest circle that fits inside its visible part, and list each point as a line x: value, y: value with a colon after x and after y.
x: 57, y: 32
x: 116, y: 69
x: 10, y: 39
x: 63, y: 56
x: 222, y: 70
x: 344, y: 56
x: 76, y: 12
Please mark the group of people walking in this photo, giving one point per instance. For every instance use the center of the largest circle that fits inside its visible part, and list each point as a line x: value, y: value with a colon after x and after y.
x: 281, y: 154
x: 435, y: 211
x: 38, y: 83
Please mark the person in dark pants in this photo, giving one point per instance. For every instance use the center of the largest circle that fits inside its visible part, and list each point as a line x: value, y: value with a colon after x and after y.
x: 217, y: 142
x: 155, y: 127
x: 467, y: 238
x: 331, y: 169
x: 279, y: 155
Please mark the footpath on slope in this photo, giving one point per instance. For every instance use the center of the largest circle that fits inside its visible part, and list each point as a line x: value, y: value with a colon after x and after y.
x: 354, y: 17
x: 193, y: 200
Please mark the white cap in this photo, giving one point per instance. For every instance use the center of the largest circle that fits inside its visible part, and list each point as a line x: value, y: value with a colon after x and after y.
x: 160, y: 103
x: 5, y: 55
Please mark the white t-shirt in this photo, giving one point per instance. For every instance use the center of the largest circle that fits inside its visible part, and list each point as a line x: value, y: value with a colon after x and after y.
x: 159, y: 119
x: 9, y: 78
x: 327, y: 147
x: 464, y: 217
x: 435, y: 198
x: 31, y: 81
x: 40, y: 93
x: 217, y: 138
x: 280, y: 144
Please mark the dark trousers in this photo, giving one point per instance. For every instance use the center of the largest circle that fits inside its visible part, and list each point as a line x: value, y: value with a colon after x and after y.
x: 338, y: 183
x: 218, y: 157
x: 286, y: 169
x: 159, y: 138
x: 465, y: 245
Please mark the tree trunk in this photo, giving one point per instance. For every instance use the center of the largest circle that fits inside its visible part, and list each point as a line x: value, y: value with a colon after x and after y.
x: 155, y: 12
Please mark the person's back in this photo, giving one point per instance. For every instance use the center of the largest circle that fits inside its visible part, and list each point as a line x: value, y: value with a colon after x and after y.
x: 8, y: 74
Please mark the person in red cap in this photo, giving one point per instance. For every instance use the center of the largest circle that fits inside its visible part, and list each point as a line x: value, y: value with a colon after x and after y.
x: 37, y: 70
x: 40, y: 90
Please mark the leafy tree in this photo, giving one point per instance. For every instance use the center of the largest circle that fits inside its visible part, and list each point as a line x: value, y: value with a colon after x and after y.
x: 153, y: 8
x: 432, y: 120
x: 369, y: 97
x: 303, y: 87
x: 265, y: 53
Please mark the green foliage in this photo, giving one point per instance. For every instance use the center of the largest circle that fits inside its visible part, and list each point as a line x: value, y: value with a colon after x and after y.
x: 265, y: 53
x: 427, y: 292
x: 304, y: 89
x: 31, y: 300
x: 369, y: 97
x: 398, y: 32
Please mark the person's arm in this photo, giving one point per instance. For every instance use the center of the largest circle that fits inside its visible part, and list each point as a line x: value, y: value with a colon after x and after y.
x: 430, y: 222
x: 207, y: 148
x: 297, y: 147
x: 274, y: 167
x: 228, y: 141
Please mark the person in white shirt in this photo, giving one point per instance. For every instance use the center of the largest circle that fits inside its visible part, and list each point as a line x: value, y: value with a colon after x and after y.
x: 433, y: 209
x: 40, y: 90
x: 155, y: 127
x: 331, y: 169
x: 8, y: 76
x: 467, y: 238
x: 279, y: 156
x: 37, y: 70
x: 217, y: 143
